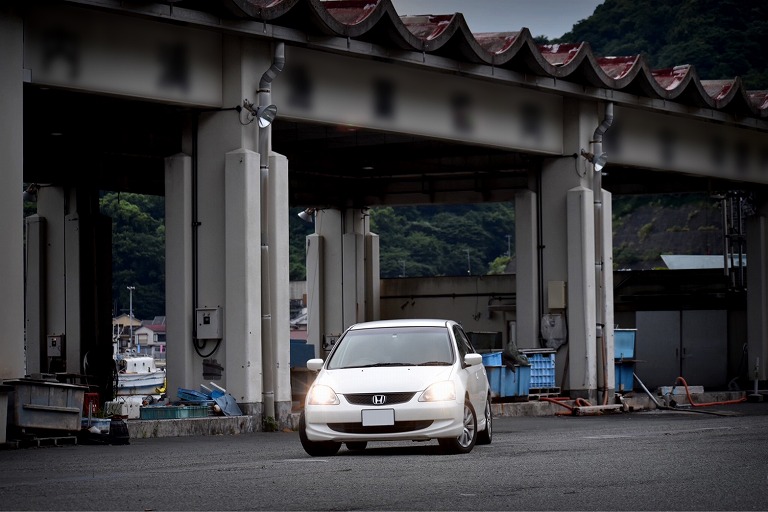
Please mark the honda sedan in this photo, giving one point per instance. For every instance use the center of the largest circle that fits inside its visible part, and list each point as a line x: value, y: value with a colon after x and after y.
x: 397, y: 380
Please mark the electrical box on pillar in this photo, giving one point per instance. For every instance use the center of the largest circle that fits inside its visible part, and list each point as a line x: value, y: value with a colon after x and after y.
x: 329, y: 340
x: 55, y: 345
x: 208, y: 323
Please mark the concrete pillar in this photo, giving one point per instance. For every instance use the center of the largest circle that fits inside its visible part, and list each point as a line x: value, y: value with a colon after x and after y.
x: 353, y: 267
x: 12, y: 363
x: 568, y: 250
x: 315, y: 250
x: 342, y: 274
x: 58, y: 255
x: 279, y: 284
x: 757, y: 295
x: 179, y: 303
x: 35, y: 295
x: 582, y: 371
x: 223, y: 206
x: 243, y: 279
x: 328, y: 227
x: 372, y: 275
x: 527, y: 270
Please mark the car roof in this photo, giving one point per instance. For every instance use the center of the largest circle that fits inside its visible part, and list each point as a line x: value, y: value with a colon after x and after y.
x: 403, y: 322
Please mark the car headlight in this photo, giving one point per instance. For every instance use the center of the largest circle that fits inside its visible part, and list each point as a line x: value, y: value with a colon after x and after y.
x: 439, y: 392
x: 322, y: 395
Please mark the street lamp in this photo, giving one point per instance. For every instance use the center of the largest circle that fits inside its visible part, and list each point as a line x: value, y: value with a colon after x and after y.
x: 130, y: 314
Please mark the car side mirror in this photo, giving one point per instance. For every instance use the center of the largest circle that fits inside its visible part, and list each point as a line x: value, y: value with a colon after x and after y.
x: 473, y: 359
x: 314, y: 364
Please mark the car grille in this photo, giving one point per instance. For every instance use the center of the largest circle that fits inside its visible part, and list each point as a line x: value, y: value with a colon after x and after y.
x: 390, y: 398
x: 399, y: 426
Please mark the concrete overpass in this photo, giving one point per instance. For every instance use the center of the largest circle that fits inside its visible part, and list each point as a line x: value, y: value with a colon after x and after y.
x: 373, y: 109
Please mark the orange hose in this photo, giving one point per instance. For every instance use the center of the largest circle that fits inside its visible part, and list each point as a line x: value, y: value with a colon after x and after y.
x: 559, y: 401
x: 688, y: 394
x: 556, y: 401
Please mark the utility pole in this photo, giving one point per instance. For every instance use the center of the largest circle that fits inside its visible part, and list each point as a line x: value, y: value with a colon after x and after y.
x: 469, y: 268
x: 130, y: 314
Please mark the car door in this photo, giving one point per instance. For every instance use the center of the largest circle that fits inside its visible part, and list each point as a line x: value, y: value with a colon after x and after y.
x: 477, y: 382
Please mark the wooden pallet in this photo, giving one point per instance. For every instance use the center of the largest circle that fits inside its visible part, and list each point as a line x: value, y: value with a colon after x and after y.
x: 31, y: 441
x: 543, y: 392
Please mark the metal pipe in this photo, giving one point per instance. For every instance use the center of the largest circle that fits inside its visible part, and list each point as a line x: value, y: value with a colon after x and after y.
x: 597, y: 182
x: 648, y: 392
x: 268, y: 344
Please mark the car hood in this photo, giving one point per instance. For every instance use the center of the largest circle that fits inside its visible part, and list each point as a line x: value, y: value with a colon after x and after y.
x: 378, y: 380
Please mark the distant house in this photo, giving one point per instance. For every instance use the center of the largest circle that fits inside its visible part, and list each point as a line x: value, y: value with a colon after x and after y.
x: 150, y: 339
x: 121, y: 329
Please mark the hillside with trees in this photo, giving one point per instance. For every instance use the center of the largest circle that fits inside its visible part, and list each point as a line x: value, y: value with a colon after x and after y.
x: 722, y: 39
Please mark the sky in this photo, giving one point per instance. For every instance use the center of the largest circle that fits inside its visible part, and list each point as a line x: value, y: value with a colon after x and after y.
x: 551, y: 18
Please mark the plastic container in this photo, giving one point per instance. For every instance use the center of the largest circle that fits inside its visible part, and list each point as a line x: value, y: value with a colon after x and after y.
x: 624, y: 376
x: 624, y: 343
x: 494, y: 374
x: 507, y: 383
x: 45, y: 405
x: 172, y: 412
x: 518, y: 382
x: 492, y: 359
x: 301, y: 352
x: 542, y: 369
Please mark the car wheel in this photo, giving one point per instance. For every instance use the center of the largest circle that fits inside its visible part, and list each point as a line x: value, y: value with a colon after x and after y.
x: 486, y: 436
x: 316, y: 448
x: 356, y: 445
x: 467, y: 439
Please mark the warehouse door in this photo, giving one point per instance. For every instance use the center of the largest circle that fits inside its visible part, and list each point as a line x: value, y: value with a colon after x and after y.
x: 691, y: 344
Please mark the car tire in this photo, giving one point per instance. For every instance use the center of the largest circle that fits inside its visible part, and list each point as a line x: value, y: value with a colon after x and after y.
x: 486, y: 436
x: 467, y: 439
x: 356, y: 445
x: 316, y: 448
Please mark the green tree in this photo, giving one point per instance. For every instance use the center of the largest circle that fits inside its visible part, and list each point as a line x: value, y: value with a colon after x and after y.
x: 138, y: 252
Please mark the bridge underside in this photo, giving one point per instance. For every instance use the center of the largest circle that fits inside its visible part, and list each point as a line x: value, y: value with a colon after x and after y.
x: 329, y: 165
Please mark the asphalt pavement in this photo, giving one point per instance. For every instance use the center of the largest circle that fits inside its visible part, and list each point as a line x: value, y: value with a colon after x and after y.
x: 708, y: 459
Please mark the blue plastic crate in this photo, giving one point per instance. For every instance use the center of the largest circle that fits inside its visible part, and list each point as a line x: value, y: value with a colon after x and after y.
x: 624, y: 343
x: 518, y: 382
x: 492, y: 359
x: 624, y: 376
x: 301, y: 352
x: 542, y: 370
x: 494, y: 374
x: 507, y: 383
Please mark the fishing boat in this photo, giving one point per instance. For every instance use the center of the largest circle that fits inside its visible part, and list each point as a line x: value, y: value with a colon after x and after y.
x: 138, y: 375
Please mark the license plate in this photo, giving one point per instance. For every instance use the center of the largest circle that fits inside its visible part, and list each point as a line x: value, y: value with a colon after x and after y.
x: 374, y: 417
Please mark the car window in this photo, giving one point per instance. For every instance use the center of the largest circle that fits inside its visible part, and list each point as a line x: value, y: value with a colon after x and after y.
x: 465, y: 347
x: 401, y: 346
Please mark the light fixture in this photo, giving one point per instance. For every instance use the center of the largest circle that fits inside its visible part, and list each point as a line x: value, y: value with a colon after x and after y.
x: 265, y: 114
x: 307, y: 215
x: 598, y: 161
x: 30, y: 194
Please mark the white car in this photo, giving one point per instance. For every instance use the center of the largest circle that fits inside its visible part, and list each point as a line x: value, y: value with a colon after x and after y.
x: 398, y: 380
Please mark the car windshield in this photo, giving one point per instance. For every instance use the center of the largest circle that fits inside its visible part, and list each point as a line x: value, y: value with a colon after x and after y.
x: 393, y: 346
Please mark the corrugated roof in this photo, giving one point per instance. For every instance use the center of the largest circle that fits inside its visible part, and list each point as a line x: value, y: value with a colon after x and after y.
x: 448, y: 35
